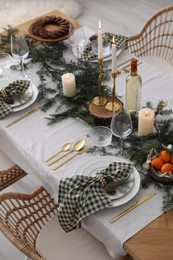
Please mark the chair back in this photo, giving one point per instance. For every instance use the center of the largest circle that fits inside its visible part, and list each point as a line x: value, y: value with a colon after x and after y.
x: 156, y: 37
x: 22, y: 216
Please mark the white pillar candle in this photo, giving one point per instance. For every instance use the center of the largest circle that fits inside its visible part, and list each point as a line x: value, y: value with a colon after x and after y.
x: 69, y: 84
x: 114, y: 56
x: 100, y: 42
x: 145, y: 121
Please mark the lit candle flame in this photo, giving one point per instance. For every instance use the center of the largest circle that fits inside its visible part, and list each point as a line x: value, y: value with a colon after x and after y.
x: 146, y: 113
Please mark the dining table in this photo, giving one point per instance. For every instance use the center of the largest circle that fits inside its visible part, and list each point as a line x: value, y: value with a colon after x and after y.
x: 146, y: 232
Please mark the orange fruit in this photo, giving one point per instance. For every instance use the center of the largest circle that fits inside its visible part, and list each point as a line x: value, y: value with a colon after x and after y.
x: 171, y: 160
x: 167, y: 167
x: 157, y: 163
x: 165, y: 156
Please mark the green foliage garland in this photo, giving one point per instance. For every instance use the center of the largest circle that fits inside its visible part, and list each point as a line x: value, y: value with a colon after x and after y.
x: 52, y: 65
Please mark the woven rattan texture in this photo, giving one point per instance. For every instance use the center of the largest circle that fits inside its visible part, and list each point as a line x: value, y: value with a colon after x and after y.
x: 11, y: 175
x: 156, y: 37
x: 22, y: 217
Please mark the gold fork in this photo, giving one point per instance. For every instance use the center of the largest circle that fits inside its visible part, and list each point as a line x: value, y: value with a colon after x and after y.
x: 83, y: 150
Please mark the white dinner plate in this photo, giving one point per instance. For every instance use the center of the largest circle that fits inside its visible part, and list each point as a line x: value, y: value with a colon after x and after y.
x: 124, y: 194
x: 30, y: 101
x: 107, y: 57
x: 24, y: 97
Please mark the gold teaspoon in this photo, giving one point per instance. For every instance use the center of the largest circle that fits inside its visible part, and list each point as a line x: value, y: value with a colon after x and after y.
x: 81, y: 151
x: 77, y: 146
x: 63, y: 149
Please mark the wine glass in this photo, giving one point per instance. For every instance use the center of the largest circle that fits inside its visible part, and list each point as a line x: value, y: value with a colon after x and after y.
x: 5, y: 62
x: 121, y: 125
x: 19, y: 48
x: 77, y: 40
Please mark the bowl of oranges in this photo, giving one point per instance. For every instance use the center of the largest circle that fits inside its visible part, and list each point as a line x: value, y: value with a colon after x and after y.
x: 161, y: 165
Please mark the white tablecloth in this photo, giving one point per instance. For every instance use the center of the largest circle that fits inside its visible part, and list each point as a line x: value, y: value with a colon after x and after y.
x: 30, y: 141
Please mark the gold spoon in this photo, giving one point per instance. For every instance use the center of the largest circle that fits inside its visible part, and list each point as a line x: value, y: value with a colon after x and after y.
x: 81, y: 151
x: 63, y: 149
x: 77, y: 147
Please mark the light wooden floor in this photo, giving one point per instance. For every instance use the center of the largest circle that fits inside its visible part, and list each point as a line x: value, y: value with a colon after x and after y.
x: 125, y: 17
x: 122, y: 16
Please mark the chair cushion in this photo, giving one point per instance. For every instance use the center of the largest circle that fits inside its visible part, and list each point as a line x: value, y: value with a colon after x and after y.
x: 160, y: 64
x: 54, y: 243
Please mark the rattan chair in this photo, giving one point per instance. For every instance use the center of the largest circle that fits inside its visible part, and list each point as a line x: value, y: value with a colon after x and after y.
x: 9, y: 172
x: 22, y: 216
x: 156, y: 37
x: 29, y: 221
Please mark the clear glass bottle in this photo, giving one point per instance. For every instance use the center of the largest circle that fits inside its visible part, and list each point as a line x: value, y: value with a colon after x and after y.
x: 133, y: 88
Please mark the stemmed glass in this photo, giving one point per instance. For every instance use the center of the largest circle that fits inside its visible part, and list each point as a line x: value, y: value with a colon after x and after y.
x: 121, y: 126
x: 77, y: 40
x: 19, y: 48
x: 5, y: 62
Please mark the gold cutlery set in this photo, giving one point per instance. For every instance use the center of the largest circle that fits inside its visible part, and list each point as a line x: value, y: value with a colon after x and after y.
x: 79, y: 148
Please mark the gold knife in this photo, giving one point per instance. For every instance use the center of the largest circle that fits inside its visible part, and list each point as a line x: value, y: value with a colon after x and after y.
x: 139, y: 202
x: 83, y: 150
x: 25, y: 115
x: 126, y: 61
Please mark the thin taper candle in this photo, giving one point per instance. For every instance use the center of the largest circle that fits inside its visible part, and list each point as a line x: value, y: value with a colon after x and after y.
x: 114, y: 56
x: 100, y: 42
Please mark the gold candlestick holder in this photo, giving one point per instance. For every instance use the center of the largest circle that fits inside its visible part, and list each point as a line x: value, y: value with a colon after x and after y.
x: 100, y: 100
x: 113, y: 105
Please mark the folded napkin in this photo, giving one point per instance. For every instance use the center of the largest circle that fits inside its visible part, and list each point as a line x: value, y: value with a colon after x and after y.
x: 89, y: 55
x: 16, y: 87
x: 81, y: 196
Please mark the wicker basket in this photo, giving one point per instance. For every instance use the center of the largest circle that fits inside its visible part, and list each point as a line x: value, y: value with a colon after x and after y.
x: 164, y: 180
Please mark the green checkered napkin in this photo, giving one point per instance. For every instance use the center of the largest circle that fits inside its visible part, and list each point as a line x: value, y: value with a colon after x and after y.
x: 81, y: 196
x: 16, y: 87
x: 89, y: 55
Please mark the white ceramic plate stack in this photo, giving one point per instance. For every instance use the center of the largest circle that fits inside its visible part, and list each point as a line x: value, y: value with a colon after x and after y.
x: 123, y: 194
x: 29, y: 96
x: 88, y: 33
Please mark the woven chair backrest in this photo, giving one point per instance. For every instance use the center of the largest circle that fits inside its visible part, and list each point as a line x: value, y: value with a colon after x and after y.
x: 24, y: 215
x: 156, y: 37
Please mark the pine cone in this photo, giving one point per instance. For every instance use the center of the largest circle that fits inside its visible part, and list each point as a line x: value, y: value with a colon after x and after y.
x: 109, y: 189
x: 9, y: 100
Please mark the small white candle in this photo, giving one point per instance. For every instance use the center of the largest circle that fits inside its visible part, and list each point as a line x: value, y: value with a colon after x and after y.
x: 145, y: 121
x: 100, y: 42
x: 114, y: 56
x: 69, y: 84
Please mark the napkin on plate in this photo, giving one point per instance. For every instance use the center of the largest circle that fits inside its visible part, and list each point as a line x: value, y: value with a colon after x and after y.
x: 16, y: 87
x: 81, y: 196
x: 89, y: 55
